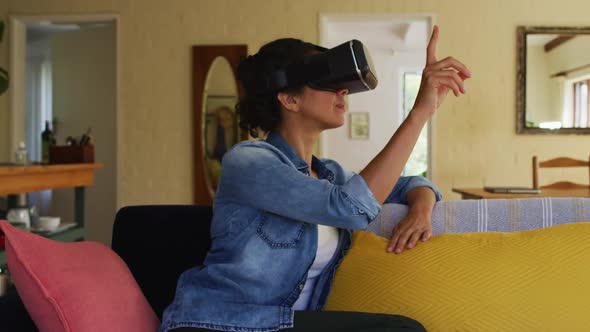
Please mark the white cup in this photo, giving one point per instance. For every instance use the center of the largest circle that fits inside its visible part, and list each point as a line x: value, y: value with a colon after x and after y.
x: 49, y: 223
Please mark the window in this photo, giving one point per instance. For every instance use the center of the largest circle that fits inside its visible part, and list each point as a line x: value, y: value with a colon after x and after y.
x: 581, y: 104
x: 418, y: 162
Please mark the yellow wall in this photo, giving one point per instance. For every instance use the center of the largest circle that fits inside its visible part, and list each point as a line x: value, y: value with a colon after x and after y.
x: 4, y: 97
x: 474, y: 135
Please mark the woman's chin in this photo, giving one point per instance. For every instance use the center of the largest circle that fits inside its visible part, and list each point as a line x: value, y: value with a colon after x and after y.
x: 341, y: 119
x: 333, y: 125
x: 334, y: 121
x: 339, y: 123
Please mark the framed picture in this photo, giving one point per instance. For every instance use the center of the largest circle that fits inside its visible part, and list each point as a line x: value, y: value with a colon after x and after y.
x: 359, y: 125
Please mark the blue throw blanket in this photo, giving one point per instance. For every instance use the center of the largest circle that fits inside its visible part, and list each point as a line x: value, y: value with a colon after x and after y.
x: 490, y: 215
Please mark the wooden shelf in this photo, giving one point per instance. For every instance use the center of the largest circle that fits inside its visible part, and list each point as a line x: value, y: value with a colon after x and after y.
x: 21, y: 179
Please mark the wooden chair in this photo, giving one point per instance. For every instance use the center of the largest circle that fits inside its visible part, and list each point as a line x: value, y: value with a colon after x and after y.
x: 559, y: 162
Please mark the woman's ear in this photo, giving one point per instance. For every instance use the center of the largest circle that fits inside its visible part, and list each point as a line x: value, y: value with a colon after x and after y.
x: 289, y: 101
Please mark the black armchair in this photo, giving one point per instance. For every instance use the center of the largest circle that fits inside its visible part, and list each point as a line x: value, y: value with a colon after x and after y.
x: 158, y: 243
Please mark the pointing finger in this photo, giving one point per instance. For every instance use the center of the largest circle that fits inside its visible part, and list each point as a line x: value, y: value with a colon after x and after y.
x: 431, y: 49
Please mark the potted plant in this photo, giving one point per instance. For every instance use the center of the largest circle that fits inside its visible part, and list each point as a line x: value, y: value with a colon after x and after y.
x: 3, y: 72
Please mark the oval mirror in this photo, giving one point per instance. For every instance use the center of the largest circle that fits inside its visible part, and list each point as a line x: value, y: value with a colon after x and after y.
x: 215, y: 125
x: 220, y: 123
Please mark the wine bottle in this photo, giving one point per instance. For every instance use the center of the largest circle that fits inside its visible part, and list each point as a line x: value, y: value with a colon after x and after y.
x: 46, y: 142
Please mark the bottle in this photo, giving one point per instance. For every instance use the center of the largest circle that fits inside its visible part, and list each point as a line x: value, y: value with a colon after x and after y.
x: 46, y: 141
x: 20, y: 155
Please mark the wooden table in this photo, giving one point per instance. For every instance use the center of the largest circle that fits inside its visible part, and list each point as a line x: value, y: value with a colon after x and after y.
x: 22, y: 179
x: 479, y: 193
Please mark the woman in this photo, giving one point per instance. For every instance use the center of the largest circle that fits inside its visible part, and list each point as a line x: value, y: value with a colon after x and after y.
x: 283, y: 219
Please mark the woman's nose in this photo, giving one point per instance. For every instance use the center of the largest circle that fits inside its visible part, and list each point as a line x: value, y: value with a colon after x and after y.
x: 343, y: 92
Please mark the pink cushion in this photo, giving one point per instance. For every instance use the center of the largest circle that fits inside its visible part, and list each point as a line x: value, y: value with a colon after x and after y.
x: 80, y: 286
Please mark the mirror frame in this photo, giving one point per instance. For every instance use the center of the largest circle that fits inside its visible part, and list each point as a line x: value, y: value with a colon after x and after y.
x: 203, y: 58
x: 522, y: 32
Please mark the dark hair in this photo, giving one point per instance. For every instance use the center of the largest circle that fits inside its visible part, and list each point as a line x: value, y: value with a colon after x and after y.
x: 259, y: 109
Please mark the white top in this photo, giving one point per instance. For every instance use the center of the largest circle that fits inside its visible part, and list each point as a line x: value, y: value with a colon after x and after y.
x: 327, y: 245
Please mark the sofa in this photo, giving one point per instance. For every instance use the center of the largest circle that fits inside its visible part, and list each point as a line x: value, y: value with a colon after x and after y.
x: 158, y: 243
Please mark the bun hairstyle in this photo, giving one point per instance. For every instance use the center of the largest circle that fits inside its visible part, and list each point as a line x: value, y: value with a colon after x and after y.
x: 259, y: 109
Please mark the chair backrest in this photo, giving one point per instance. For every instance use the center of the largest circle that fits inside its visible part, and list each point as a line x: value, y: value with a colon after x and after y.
x: 160, y: 242
x: 559, y: 162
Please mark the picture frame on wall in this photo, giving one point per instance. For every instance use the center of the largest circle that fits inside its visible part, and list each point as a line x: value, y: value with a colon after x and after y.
x: 359, y: 125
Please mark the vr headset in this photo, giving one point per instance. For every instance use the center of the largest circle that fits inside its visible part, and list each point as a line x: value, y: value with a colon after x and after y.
x: 347, y: 66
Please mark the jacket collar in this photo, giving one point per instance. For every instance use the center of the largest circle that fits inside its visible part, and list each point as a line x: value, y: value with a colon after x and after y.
x: 279, y: 142
x: 317, y: 165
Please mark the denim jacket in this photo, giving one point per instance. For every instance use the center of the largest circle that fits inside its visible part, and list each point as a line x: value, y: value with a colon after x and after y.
x: 264, y: 237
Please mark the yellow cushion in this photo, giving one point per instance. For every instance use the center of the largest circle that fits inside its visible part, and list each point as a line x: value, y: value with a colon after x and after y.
x: 535, y: 280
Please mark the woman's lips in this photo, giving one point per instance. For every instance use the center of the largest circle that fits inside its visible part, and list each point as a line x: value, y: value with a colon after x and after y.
x: 341, y: 107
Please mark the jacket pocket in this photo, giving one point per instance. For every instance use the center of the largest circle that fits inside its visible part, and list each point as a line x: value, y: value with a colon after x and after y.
x: 279, y: 232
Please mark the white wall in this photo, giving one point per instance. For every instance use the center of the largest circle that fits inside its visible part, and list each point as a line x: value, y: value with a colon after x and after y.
x: 84, y: 86
x: 542, y: 92
x: 395, y: 48
x: 571, y: 54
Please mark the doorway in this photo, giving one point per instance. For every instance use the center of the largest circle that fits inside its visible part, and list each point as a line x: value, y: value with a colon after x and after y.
x: 397, y: 44
x: 65, y: 72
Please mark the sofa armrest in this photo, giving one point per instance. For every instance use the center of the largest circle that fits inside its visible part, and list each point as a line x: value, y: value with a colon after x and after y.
x: 160, y: 242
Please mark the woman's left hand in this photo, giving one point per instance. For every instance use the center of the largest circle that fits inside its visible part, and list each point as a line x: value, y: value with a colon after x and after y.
x: 405, y: 235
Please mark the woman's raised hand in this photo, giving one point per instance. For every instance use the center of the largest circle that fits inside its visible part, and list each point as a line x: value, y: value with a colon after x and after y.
x: 438, y: 78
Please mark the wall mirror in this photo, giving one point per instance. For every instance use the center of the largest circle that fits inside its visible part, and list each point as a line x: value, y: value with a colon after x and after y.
x: 215, y: 94
x: 553, y: 80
